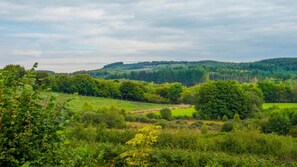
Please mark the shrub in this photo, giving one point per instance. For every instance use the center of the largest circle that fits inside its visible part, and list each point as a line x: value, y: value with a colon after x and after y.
x: 144, y: 119
x: 219, y: 118
x: 90, y: 117
x: 130, y: 118
x: 227, y: 127
x: 153, y: 115
x: 264, y: 124
x: 196, y: 115
x: 112, y: 117
x: 225, y: 118
x: 141, y: 146
x: 204, y: 129
x: 293, y: 131
x: 180, y: 139
x: 197, y: 124
x: 163, y: 123
x: 115, y: 136
x: 176, y: 158
x: 236, y: 117
x: 166, y: 114
x: 181, y: 122
x: 31, y: 129
x: 279, y: 122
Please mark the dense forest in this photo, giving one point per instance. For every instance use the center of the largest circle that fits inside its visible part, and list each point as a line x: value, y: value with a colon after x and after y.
x: 190, y: 73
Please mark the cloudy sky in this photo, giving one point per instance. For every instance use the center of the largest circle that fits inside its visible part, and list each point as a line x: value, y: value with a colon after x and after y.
x: 70, y: 35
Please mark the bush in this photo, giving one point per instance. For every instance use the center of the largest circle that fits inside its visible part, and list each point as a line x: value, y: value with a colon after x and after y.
x: 197, y: 124
x: 204, y: 129
x: 236, y: 117
x: 153, y: 115
x: 90, y: 118
x: 112, y: 117
x: 279, y: 123
x: 196, y: 115
x: 181, y: 122
x: 31, y: 128
x: 130, y: 118
x: 166, y: 114
x: 176, y: 158
x: 264, y: 124
x: 293, y: 131
x: 223, y: 98
x: 227, y: 127
x: 144, y: 119
x: 225, y: 118
x: 219, y: 118
x: 163, y: 123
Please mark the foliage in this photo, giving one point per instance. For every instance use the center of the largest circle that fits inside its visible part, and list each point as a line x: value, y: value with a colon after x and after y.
x: 189, y: 95
x: 163, y: 123
x: 174, y: 92
x: 227, y: 127
x: 293, y: 131
x: 166, y: 113
x: 204, y: 129
x: 179, y: 157
x: 281, y: 121
x: 222, y: 98
x: 141, y: 146
x: 153, y: 115
x: 191, y: 73
x: 236, y: 118
x: 131, y: 91
x: 31, y: 129
x: 225, y: 118
x: 197, y: 124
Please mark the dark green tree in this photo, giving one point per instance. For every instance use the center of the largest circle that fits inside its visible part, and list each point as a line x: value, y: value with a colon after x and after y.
x: 279, y: 122
x: 166, y: 114
x: 174, y: 92
x: 222, y: 98
x: 131, y: 91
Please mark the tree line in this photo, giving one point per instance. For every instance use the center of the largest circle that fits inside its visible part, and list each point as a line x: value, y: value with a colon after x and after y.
x: 191, y: 73
x: 176, y: 92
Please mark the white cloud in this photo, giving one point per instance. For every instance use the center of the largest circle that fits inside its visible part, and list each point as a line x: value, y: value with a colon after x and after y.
x: 71, y: 35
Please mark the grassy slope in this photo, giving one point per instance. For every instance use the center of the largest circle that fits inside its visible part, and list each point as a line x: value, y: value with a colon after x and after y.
x: 280, y: 105
x: 97, y: 102
x: 189, y: 111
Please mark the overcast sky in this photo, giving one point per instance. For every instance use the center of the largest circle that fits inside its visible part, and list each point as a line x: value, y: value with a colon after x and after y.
x: 70, y: 35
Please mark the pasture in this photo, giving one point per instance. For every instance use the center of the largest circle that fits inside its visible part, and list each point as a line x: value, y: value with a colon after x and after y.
x: 97, y: 102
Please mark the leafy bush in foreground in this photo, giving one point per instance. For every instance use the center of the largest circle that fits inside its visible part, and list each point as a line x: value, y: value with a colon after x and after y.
x: 30, y: 127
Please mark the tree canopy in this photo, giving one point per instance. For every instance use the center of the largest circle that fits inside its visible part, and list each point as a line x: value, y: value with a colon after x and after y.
x: 222, y: 98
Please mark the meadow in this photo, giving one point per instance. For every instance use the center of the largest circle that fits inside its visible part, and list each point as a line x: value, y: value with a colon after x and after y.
x: 97, y: 102
x: 130, y: 106
x: 190, y: 111
x: 280, y: 105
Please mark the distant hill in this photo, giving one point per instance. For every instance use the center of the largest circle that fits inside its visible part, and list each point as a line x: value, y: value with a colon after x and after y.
x: 190, y: 73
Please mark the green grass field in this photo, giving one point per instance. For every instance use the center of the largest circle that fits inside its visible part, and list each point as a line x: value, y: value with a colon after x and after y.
x: 189, y: 111
x: 78, y: 102
x: 97, y: 102
x: 280, y: 105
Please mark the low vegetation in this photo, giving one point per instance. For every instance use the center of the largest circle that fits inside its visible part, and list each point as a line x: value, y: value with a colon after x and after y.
x: 227, y: 126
